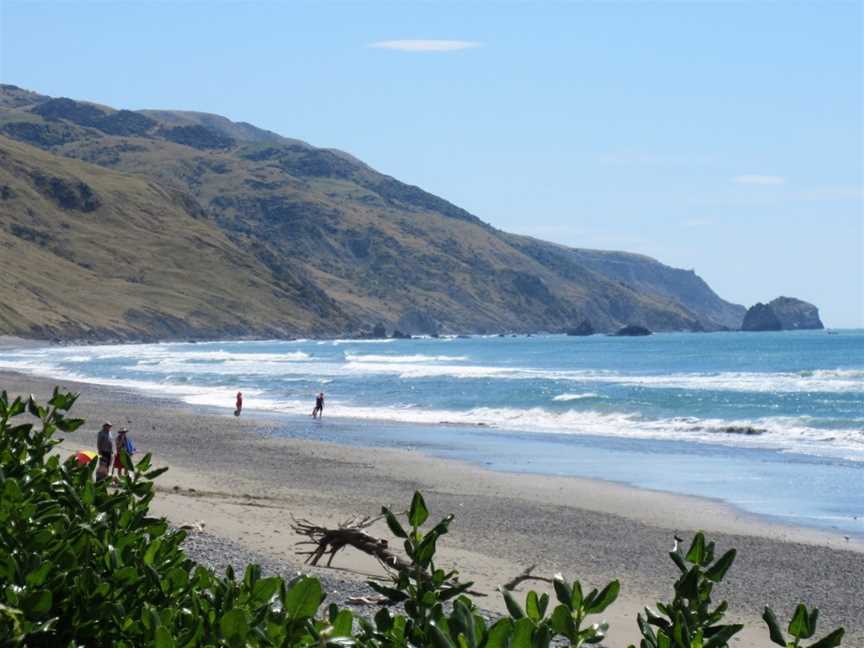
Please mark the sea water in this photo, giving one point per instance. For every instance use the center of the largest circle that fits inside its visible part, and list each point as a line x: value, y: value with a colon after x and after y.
x: 770, y: 422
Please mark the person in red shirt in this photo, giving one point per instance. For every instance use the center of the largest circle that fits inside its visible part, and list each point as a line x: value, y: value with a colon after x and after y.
x: 238, y: 407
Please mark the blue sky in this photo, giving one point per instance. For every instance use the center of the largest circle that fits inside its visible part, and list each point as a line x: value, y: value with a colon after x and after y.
x: 724, y: 137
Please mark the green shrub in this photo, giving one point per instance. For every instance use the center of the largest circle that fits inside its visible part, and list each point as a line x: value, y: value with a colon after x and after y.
x: 84, y: 564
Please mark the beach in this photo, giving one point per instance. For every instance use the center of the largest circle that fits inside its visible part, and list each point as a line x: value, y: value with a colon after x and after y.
x: 236, y: 480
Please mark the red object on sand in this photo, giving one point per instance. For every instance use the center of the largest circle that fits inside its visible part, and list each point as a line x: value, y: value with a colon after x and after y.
x: 84, y: 457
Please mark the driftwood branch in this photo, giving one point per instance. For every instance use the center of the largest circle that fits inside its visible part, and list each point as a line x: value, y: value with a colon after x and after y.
x: 349, y: 533
x: 524, y: 576
x: 323, y: 541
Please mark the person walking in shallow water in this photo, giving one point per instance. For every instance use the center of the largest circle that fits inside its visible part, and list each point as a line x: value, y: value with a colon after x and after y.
x: 319, y: 406
x: 238, y: 406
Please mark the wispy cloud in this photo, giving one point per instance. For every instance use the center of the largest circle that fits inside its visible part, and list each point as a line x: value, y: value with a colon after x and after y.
x: 425, y: 45
x: 764, y: 180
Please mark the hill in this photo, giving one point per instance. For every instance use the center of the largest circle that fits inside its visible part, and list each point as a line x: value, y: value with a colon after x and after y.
x: 268, y: 235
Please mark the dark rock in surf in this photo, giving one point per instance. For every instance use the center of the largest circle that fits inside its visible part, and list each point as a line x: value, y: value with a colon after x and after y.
x: 378, y: 331
x: 632, y: 330
x: 399, y: 335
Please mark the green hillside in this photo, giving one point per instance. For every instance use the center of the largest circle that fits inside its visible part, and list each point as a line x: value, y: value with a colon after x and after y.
x: 193, y: 225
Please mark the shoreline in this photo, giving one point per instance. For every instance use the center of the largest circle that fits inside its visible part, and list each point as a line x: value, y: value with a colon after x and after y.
x: 241, y: 482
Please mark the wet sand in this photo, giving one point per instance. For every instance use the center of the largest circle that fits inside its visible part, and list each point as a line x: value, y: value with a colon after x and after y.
x: 239, y: 481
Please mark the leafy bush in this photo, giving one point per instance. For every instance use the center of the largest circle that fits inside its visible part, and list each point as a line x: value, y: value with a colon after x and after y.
x: 83, y: 563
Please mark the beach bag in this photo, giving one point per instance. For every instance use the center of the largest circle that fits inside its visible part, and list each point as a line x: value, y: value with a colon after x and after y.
x: 130, y: 447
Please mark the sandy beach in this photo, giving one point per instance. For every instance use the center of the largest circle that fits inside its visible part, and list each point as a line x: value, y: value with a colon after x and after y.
x: 238, y: 481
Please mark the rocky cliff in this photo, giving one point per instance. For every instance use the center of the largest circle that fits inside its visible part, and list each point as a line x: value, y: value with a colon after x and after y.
x: 319, y: 241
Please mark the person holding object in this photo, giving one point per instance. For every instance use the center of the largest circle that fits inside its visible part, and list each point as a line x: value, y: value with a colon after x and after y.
x: 319, y: 406
x: 124, y: 447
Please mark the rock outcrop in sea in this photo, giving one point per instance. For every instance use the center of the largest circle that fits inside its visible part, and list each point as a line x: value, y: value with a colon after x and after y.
x: 782, y: 314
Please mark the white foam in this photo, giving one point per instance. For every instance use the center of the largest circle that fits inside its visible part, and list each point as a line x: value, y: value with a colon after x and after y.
x: 402, y: 359
x: 573, y: 397
x: 338, y: 342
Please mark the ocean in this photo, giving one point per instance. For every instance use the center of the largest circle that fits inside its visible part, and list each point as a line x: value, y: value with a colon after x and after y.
x: 772, y: 423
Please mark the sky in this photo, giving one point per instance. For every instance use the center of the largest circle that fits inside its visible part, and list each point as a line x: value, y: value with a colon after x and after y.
x: 722, y: 137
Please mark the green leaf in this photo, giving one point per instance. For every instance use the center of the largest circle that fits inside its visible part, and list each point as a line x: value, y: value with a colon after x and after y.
x: 718, y: 570
x: 522, y: 631
x: 605, y: 598
x: 678, y: 560
x: 499, y: 634
x: 562, y: 621
x: 395, y: 528
x: 163, y: 638
x: 37, y: 577
x: 513, y: 607
x: 395, y: 595
x: 440, y: 639
x: 234, y: 624
x: 774, y: 630
x: 697, y: 549
x: 343, y: 624
x: 303, y: 599
x: 830, y: 641
x: 799, y: 627
x: 532, y: 606
x: 418, y: 513
x: 38, y: 603
x: 562, y: 590
x: 264, y: 590
x: 722, y: 636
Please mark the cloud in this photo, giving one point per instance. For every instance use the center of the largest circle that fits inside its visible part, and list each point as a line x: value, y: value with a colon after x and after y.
x: 764, y: 180
x: 425, y: 45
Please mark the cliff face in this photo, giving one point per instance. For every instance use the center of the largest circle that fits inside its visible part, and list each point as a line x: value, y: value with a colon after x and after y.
x: 796, y: 314
x: 782, y: 314
x: 323, y: 242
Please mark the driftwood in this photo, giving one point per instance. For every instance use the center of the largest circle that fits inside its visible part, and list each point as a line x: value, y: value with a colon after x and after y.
x: 525, y: 575
x: 324, y: 541
x: 348, y: 533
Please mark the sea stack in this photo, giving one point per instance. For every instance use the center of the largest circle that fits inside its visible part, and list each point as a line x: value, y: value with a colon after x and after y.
x: 782, y: 314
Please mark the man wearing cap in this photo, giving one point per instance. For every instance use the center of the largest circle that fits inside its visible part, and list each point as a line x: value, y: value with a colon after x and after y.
x: 103, y: 447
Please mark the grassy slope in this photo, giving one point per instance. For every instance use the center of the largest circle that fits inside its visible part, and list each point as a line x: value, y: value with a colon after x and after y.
x: 323, y: 221
x: 140, y: 263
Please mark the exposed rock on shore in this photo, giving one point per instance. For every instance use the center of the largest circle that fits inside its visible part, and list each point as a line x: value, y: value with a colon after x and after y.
x: 632, y: 330
x: 585, y: 328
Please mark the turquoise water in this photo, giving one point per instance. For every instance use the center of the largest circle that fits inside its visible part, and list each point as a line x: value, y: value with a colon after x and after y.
x: 772, y: 422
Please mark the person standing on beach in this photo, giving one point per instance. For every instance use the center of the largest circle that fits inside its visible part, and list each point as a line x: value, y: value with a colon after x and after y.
x: 103, y: 447
x: 238, y: 406
x: 123, y: 447
x: 319, y: 406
